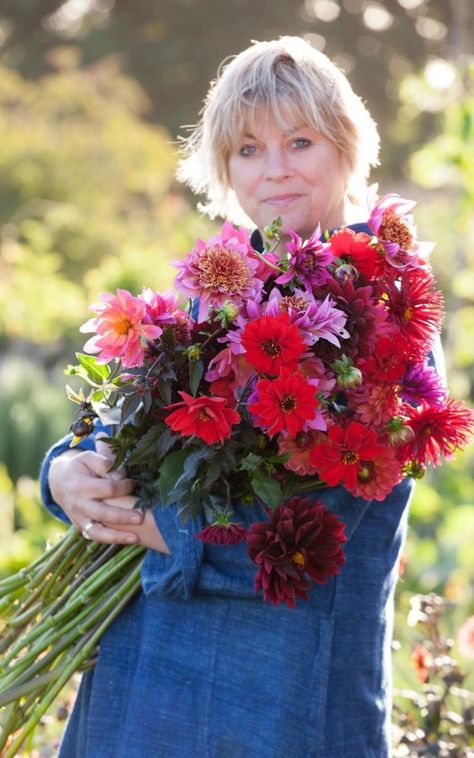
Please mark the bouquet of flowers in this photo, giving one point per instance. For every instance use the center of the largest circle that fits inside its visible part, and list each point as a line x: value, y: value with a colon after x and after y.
x: 265, y: 374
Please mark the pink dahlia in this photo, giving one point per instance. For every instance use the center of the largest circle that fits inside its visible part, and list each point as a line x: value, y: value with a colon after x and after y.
x: 299, y: 448
x: 396, y: 232
x: 222, y: 269
x: 308, y: 261
x: 121, y: 327
x: 315, y: 319
x: 374, y: 404
x: 301, y: 541
x: 378, y: 476
x: 162, y: 307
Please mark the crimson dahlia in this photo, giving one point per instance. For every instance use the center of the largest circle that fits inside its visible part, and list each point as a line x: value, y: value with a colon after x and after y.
x: 339, y: 460
x: 272, y: 343
x: 287, y: 404
x: 301, y: 541
x: 209, y: 418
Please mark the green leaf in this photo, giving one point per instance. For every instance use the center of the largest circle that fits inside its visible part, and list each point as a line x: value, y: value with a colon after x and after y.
x: 145, y: 448
x: 251, y: 462
x: 196, y: 371
x: 170, y: 472
x: 130, y: 406
x: 267, y: 488
x: 98, y: 372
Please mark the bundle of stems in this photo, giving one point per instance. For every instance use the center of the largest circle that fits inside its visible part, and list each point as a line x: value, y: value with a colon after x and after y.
x: 52, y: 615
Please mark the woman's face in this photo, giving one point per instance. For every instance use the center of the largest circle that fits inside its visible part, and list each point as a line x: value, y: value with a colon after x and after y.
x: 292, y: 171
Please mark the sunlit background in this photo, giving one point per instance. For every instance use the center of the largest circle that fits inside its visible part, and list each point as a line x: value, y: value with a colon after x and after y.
x: 93, y: 94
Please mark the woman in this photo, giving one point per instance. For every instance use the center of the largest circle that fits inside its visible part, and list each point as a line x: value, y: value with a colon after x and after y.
x: 197, y: 664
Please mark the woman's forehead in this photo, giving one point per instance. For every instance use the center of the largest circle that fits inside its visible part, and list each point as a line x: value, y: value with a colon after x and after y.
x: 287, y: 118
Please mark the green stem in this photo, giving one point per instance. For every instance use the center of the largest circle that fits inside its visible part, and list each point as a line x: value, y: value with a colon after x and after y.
x: 128, y: 590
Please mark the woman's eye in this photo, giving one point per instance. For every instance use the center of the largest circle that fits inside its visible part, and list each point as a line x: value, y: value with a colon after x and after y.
x: 301, y: 142
x: 247, y: 150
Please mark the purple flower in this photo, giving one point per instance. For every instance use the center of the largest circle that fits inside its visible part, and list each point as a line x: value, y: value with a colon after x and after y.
x: 308, y: 261
x: 423, y: 383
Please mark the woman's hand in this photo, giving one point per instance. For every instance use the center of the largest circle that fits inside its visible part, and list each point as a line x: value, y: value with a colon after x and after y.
x: 147, y: 532
x: 80, y: 482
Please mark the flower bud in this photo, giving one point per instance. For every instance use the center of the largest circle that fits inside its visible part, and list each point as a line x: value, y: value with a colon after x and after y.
x: 414, y: 469
x: 194, y: 352
x: 349, y: 378
x: 229, y: 310
x: 399, y: 433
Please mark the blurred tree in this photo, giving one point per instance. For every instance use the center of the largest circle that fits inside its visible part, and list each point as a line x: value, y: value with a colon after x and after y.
x: 174, y: 47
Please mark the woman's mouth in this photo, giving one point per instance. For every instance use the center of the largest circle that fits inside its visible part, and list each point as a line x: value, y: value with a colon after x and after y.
x: 280, y: 200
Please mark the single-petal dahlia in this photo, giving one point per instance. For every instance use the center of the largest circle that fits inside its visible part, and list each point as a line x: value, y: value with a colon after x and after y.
x: 308, y: 261
x: 301, y: 538
x: 121, y: 327
x: 223, y: 268
x: 272, y: 343
x: 439, y: 430
x: 287, y: 404
x: 209, y: 418
x: 339, y: 459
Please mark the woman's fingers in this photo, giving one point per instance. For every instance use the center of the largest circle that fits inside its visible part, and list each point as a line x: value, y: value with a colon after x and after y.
x: 101, y: 533
x: 112, y: 515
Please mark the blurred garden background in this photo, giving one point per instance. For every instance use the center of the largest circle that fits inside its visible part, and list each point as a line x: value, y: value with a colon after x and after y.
x: 92, y: 96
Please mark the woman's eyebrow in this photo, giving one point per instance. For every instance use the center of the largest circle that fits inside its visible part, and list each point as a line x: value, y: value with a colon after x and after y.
x: 290, y: 130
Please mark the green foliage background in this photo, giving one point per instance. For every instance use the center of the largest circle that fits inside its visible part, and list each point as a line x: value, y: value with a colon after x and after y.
x: 91, y: 96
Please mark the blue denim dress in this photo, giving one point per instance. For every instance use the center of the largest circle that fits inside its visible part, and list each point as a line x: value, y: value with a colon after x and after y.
x: 198, y: 665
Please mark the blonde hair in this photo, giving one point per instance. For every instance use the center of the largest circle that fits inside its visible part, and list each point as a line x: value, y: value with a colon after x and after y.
x: 285, y: 76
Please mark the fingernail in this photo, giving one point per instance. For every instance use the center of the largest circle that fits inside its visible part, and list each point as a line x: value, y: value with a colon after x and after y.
x: 131, y: 539
x: 137, y: 519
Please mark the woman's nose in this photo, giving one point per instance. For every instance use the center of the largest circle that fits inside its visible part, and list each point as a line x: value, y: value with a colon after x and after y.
x: 276, y: 165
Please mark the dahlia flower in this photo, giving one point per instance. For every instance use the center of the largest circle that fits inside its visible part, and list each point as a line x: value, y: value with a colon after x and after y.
x: 439, y: 430
x: 338, y: 460
x: 272, y: 343
x: 308, y: 261
x: 287, y: 404
x: 209, y: 418
x: 223, y: 268
x: 302, y: 540
x: 121, y: 327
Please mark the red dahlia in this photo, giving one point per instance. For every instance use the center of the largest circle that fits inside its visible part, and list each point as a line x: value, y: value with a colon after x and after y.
x: 340, y: 459
x: 301, y: 538
x: 272, y: 343
x: 209, y: 418
x: 222, y: 534
x: 285, y: 404
x: 439, y: 430
x: 416, y: 307
x: 355, y: 248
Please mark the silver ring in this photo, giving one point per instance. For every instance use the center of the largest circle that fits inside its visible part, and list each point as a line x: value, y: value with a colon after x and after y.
x: 87, y: 527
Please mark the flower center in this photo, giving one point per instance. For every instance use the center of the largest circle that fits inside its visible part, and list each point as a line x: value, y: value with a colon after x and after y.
x: 203, y: 415
x: 408, y: 314
x: 288, y: 403
x: 223, y: 270
x: 296, y: 302
x: 394, y: 229
x: 298, y: 557
x: 303, y: 440
x: 271, y: 348
x: 366, y: 471
x: 123, y: 326
x: 309, y: 263
x: 350, y: 457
